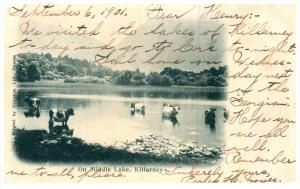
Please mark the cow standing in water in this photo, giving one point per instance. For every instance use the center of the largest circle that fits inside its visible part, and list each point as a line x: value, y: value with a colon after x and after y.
x: 34, y: 107
x: 137, y: 107
x: 226, y: 115
x: 169, y: 112
x: 210, y: 118
x: 56, y: 115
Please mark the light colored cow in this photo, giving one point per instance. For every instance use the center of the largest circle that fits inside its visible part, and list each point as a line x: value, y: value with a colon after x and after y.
x: 56, y: 115
x: 170, y: 111
x: 34, y: 107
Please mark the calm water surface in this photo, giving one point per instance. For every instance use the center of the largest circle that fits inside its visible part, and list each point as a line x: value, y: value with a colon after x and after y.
x: 105, y: 118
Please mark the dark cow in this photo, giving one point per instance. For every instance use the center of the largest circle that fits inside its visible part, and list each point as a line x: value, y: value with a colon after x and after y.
x: 56, y: 115
x: 226, y: 115
x: 34, y: 107
x: 210, y: 117
x: 137, y: 107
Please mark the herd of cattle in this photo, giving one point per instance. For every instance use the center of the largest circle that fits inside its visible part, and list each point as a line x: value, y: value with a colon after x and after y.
x: 169, y: 112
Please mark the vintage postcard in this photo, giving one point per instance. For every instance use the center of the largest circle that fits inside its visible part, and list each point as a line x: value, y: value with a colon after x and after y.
x: 174, y: 93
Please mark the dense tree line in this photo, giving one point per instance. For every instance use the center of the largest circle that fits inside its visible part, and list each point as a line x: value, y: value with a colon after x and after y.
x: 31, y: 67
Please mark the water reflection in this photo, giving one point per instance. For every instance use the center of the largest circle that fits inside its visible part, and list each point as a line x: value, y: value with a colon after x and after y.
x: 171, y: 121
x: 30, y: 113
x: 47, y: 103
x: 173, y: 94
x: 139, y: 92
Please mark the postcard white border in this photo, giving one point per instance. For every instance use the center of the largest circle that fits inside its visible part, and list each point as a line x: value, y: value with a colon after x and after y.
x: 4, y: 185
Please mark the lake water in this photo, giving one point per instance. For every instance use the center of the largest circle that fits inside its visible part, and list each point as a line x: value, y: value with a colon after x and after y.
x: 104, y: 116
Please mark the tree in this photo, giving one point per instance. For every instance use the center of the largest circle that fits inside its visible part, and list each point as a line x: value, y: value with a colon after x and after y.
x: 214, y: 71
x: 33, y: 72
x: 166, y: 80
x: 33, y: 66
x: 116, y: 73
x: 172, y: 72
x: 202, y: 79
x: 21, y: 72
x: 67, y: 69
x: 49, y: 56
x: 216, y: 81
x: 223, y: 70
x: 138, y: 78
x: 183, y: 81
x: 124, y: 78
x: 153, y: 79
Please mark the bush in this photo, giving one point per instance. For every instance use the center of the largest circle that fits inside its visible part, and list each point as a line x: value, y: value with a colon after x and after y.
x: 84, y: 80
x: 124, y: 78
x: 27, y: 70
x: 47, y: 77
x: 166, y: 80
x: 51, y: 76
x: 155, y: 79
x: 70, y: 80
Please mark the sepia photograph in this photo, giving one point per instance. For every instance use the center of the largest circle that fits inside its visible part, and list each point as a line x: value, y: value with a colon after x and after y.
x: 72, y: 110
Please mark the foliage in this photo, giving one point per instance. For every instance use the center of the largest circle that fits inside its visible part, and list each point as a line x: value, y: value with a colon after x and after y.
x: 28, y: 71
x: 208, y: 77
x: 31, y: 67
x: 155, y: 79
x: 85, y: 80
x: 124, y: 78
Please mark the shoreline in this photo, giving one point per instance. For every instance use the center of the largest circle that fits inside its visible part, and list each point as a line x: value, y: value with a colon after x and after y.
x: 38, y: 146
x: 61, y: 84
